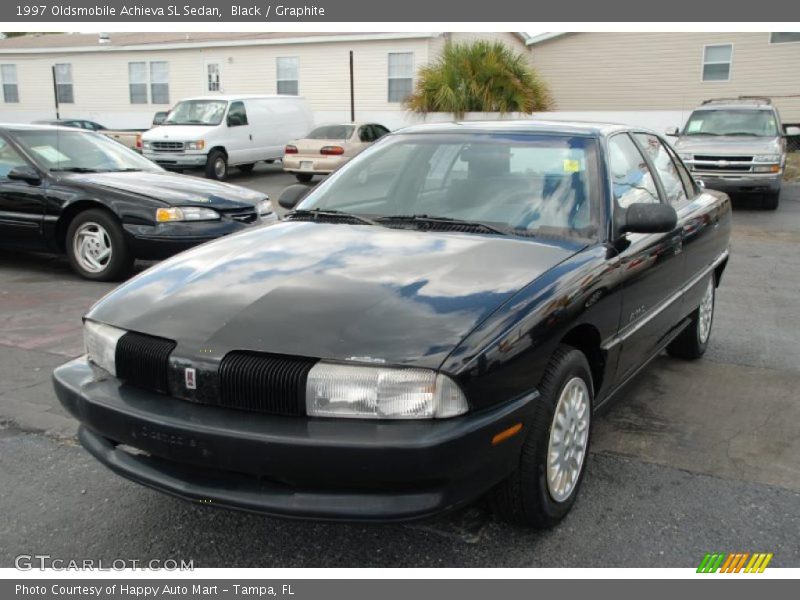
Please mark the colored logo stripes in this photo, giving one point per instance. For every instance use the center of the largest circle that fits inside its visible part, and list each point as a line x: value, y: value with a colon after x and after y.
x: 737, y: 562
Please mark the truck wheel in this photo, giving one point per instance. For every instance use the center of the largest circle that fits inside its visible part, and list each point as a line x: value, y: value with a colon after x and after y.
x: 96, y: 246
x: 217, y: 165
x: 543, y: 488
x: 693, y: 341
x: 771, y: 200
x: 248, y: 168
x: 304, y: 177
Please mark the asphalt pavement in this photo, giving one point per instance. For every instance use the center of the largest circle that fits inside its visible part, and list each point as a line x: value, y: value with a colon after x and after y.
x: 693, y: 457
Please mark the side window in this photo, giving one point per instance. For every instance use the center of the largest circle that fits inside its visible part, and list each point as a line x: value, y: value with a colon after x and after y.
x: 380, y: 131
x: 237, y: 115
x: 665, y: 167
x: 688, y: 181
x: 9, y: 159
x: 631, y: 177
x: 365, y: 133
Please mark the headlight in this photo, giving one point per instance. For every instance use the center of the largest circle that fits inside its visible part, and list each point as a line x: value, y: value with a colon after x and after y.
x: 198, y: 145
x: 264, y: 207
x: 767, y: 158
x: 146, y: 145
x: 686, y: 156
x: 362, y: 392
x: 100, y: 342
x: 186, y: 213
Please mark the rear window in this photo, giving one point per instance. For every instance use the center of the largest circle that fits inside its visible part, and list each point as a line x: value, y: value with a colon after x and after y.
x: 331, y: 132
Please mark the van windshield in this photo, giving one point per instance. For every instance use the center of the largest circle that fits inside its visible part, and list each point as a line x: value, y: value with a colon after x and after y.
x: 197, y: 112
x: 760, y: 123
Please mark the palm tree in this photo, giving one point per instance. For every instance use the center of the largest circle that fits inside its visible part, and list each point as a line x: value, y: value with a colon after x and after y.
x: 480, y: 76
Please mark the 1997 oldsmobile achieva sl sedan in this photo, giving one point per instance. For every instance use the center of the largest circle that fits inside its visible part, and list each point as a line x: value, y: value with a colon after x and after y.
x: 438, y: 319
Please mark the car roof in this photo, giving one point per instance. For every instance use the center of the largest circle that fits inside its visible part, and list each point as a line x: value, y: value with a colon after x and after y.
x: 522, y: 126
x: 38, y: 127
x: 736, y: 106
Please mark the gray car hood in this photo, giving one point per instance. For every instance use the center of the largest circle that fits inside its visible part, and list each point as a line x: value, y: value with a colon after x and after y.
x: 727, y: 145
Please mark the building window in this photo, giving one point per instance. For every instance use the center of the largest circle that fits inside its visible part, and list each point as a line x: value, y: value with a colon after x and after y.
x: 401, y: 75
x: 784, y: 38
x: 64, y: 84
x: 287, y: 77
x: 8, y: 75
x: 213, y: 83
x: 717, y: 62
x: 137, y: 82
x: 159, y: 82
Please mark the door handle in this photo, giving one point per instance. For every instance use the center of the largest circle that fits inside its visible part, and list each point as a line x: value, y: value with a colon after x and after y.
x: 251, y: 137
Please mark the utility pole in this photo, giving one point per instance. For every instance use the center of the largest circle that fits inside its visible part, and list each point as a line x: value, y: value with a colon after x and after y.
x: 352, y: 92
x: 55, y: 89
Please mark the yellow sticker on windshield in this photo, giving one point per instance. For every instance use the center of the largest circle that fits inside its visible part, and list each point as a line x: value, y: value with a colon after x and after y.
x: 571, y: 165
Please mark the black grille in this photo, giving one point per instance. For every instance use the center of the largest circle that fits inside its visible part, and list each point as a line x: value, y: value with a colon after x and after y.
x: 728, y: 158
x: 247, y: 215
x: 143, y: 361
x: 167, y: 146
x: 266, y: 383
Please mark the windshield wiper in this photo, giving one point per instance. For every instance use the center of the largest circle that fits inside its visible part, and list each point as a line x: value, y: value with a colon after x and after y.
x: 126, y: 170
x: 744, y: 133
x: 447, y: 220
x: 76, y: 170
x: 331, y: 213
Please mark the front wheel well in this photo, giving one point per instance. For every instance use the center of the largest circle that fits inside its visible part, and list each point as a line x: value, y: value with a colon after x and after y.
x: 586, y: 338
x: 69, y: 213
x: 219, y: 149
x: 718, y: 270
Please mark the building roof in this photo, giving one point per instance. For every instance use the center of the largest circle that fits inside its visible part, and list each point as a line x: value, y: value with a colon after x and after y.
x: 157, y: 40
x: 543, y: 37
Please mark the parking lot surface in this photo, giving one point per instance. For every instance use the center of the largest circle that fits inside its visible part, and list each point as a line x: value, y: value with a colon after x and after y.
x: 692, y: 457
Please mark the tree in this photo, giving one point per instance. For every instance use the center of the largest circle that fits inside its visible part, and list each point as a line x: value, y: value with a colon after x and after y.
x: 480, y: 76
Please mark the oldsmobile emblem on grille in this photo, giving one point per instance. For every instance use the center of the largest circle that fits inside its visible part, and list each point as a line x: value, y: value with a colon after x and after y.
x: 191, y: 378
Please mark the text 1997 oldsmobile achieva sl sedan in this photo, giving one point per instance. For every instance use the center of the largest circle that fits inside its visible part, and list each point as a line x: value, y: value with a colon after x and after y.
x: 438, y: 319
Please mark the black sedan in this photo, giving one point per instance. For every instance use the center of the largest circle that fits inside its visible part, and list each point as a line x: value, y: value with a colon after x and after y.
x: 79, y: 192
x: 438, y: 319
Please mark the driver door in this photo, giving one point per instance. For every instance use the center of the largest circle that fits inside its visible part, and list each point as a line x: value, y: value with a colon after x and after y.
x: 22, y: 204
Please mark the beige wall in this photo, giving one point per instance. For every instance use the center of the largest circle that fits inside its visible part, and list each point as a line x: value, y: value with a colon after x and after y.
x: 662, y: 71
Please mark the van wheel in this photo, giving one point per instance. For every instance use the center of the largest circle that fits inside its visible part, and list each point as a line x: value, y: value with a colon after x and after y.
x: 304, y: 177
x: 217, y: 165
x: 247, y: 168
x: 96, y: 246
x: 543, y: 488
x: 771, y: 200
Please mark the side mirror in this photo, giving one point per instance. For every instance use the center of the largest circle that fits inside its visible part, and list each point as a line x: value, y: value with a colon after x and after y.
x: 291, y: 196
x: 26, y: 174
x: 672, y: 131
x: 792, y: 130
x: 648, y: 218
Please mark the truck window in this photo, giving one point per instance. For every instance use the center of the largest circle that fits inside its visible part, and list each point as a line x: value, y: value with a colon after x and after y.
x: 237, y: 115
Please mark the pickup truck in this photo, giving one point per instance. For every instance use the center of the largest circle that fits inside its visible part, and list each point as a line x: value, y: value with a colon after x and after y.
x: 132, y: 138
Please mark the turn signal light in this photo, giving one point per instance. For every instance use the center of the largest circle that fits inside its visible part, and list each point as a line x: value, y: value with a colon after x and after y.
x: 290, y: 149
x: 139, y: 141
x: 335, y: 150
x: 506, y: 433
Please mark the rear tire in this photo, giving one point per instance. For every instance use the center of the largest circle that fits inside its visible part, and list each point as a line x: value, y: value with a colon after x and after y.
x: 536, y: 494
x: 693, y: 341
x: 217, y: 165
x: 246, y: 168
x: 96, y: 246
x: 771, y: 200
x: 304, y: 177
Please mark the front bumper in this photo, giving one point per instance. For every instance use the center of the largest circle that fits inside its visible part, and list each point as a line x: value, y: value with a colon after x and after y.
x: 156, y: 242
x: 751, y: 183
x: 340, y: 469
x: 177, y: 160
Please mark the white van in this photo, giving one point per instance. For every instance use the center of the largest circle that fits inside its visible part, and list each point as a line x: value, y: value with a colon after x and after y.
x: 215, y: 132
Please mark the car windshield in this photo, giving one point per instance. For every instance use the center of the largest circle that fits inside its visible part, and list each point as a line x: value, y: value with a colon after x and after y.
x: 517, y: 184
x: 77, y: 151
x: 197, y: 112
x: 331, y: 132
x: 759, y: 123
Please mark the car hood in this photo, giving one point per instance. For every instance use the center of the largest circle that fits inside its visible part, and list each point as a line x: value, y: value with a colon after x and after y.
x: 172, y: 188
x: 177, y: 133
x: 728, y: 144
x: 344, y: 292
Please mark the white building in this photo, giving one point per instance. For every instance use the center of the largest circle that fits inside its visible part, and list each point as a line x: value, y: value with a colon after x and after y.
x: 122, y: 79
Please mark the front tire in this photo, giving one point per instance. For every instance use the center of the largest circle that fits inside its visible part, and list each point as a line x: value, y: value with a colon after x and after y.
x: 96, y: 246
x: 304, y: 177
x: 543, y: 488
x: 693, y: 341
x: 217, y: 165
